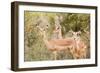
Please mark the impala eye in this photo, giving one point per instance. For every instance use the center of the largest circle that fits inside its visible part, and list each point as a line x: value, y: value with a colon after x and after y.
x: 58, y: 28
x: 47, y: 25
x: 78, y: 34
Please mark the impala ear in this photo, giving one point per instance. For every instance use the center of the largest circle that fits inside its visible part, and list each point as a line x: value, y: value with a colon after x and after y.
x: 79, y: 32
x: 71, y: 31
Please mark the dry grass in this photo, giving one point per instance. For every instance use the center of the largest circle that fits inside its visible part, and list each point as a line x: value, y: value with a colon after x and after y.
x: 35, y: 49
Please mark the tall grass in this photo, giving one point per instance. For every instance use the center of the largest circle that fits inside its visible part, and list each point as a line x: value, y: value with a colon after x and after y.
x: 35, y: 49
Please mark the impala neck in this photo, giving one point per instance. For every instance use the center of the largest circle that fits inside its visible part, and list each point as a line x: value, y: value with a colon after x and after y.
x: 45, y: 37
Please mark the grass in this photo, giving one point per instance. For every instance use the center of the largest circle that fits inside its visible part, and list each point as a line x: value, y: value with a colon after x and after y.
x: 34, y: 47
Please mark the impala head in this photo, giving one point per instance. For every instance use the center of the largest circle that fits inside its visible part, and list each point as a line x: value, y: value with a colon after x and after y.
x: 57, y: 28
x: 57, y: 23
x: 42, y: 30
x: 76, y: 35
x: 42, y: 24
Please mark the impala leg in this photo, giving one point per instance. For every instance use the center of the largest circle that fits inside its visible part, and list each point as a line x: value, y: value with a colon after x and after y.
x: 55, y: 55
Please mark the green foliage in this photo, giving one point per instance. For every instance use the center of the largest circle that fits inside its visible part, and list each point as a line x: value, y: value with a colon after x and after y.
x: 35, y: 49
